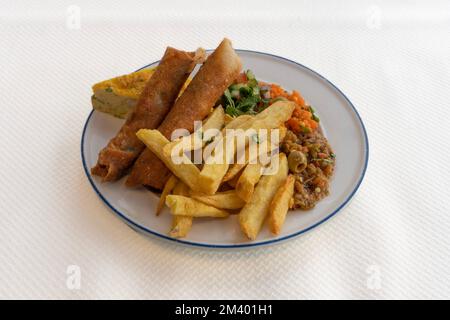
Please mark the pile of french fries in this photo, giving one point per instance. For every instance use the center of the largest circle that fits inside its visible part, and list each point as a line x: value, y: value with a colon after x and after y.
x: 216, y: 190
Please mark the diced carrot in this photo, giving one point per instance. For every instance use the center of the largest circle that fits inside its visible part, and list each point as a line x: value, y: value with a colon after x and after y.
x: 301, y: 116
x: 293, y: 124
x: 297, y: 98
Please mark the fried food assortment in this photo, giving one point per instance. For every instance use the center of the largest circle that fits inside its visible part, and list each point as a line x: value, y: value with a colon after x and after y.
x: 257, y: 152
x: 220, y: 69
x: 155, y: 141
x: 153, y: 105
x: 272, y: 117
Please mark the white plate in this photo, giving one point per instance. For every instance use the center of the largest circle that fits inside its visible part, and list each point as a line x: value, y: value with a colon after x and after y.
x: 342, y: 127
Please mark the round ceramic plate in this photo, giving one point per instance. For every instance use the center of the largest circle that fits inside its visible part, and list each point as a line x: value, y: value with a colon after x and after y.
x: 341, y: 125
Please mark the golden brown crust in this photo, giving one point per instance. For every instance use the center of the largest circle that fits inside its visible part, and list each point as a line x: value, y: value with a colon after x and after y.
x: 154, y: 103
x: 218, y: 72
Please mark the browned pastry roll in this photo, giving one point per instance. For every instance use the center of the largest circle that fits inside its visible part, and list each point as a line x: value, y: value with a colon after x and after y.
x: 153, y: 105
x: 218, y: 72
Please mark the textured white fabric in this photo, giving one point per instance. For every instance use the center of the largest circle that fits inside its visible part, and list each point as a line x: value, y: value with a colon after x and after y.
x: 391, y: 60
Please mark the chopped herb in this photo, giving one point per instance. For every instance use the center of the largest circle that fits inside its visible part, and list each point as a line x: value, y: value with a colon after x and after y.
x: 244, y: 98
x: 332, y: 156
x: 109, y: 89
x: 232, y: 111
x: 248, y: 104
x: 227, y: 95
x: 313, y: 114
x: 250, y: 75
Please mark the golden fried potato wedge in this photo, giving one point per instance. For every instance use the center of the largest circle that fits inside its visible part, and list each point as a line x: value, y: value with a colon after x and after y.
x: 181, y: 225
x: 221, y: 200
x: 237, y: 122
x: 215, y: 120
x: 168, y: 187
x: 186, y: 171
x: 212, y: 173
x: 247, y: 181
x: 253, y: 214
x: 280, y: 205
x: 185, y: 206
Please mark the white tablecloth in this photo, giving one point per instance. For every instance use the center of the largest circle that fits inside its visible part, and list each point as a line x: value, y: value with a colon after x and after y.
x: 58, y: 240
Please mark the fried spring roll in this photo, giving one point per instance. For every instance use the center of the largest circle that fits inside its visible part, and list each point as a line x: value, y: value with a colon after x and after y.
x: 218, y: 72
x: 153, y: 105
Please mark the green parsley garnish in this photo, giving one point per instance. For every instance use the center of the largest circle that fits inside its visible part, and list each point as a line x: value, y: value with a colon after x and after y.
x: 244, y: 98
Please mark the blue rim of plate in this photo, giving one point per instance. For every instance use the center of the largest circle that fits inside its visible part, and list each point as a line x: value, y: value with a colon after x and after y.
x: 144, y: 229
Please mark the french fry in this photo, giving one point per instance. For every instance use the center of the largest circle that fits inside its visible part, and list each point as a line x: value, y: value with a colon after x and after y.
x: 247, y: 181
x: 214, y: 121
x: 209, y: 181
x: 221, y: 200
x: 181, y: 225
x: 211, y: 174
x: 253, y: 214
x: 280, y: 205
x: 237, y: 167
x: 168, y: 187
x: 185, y: 206
x: 275, y: 115
x: 186, y: 171
x: 237, y: 122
